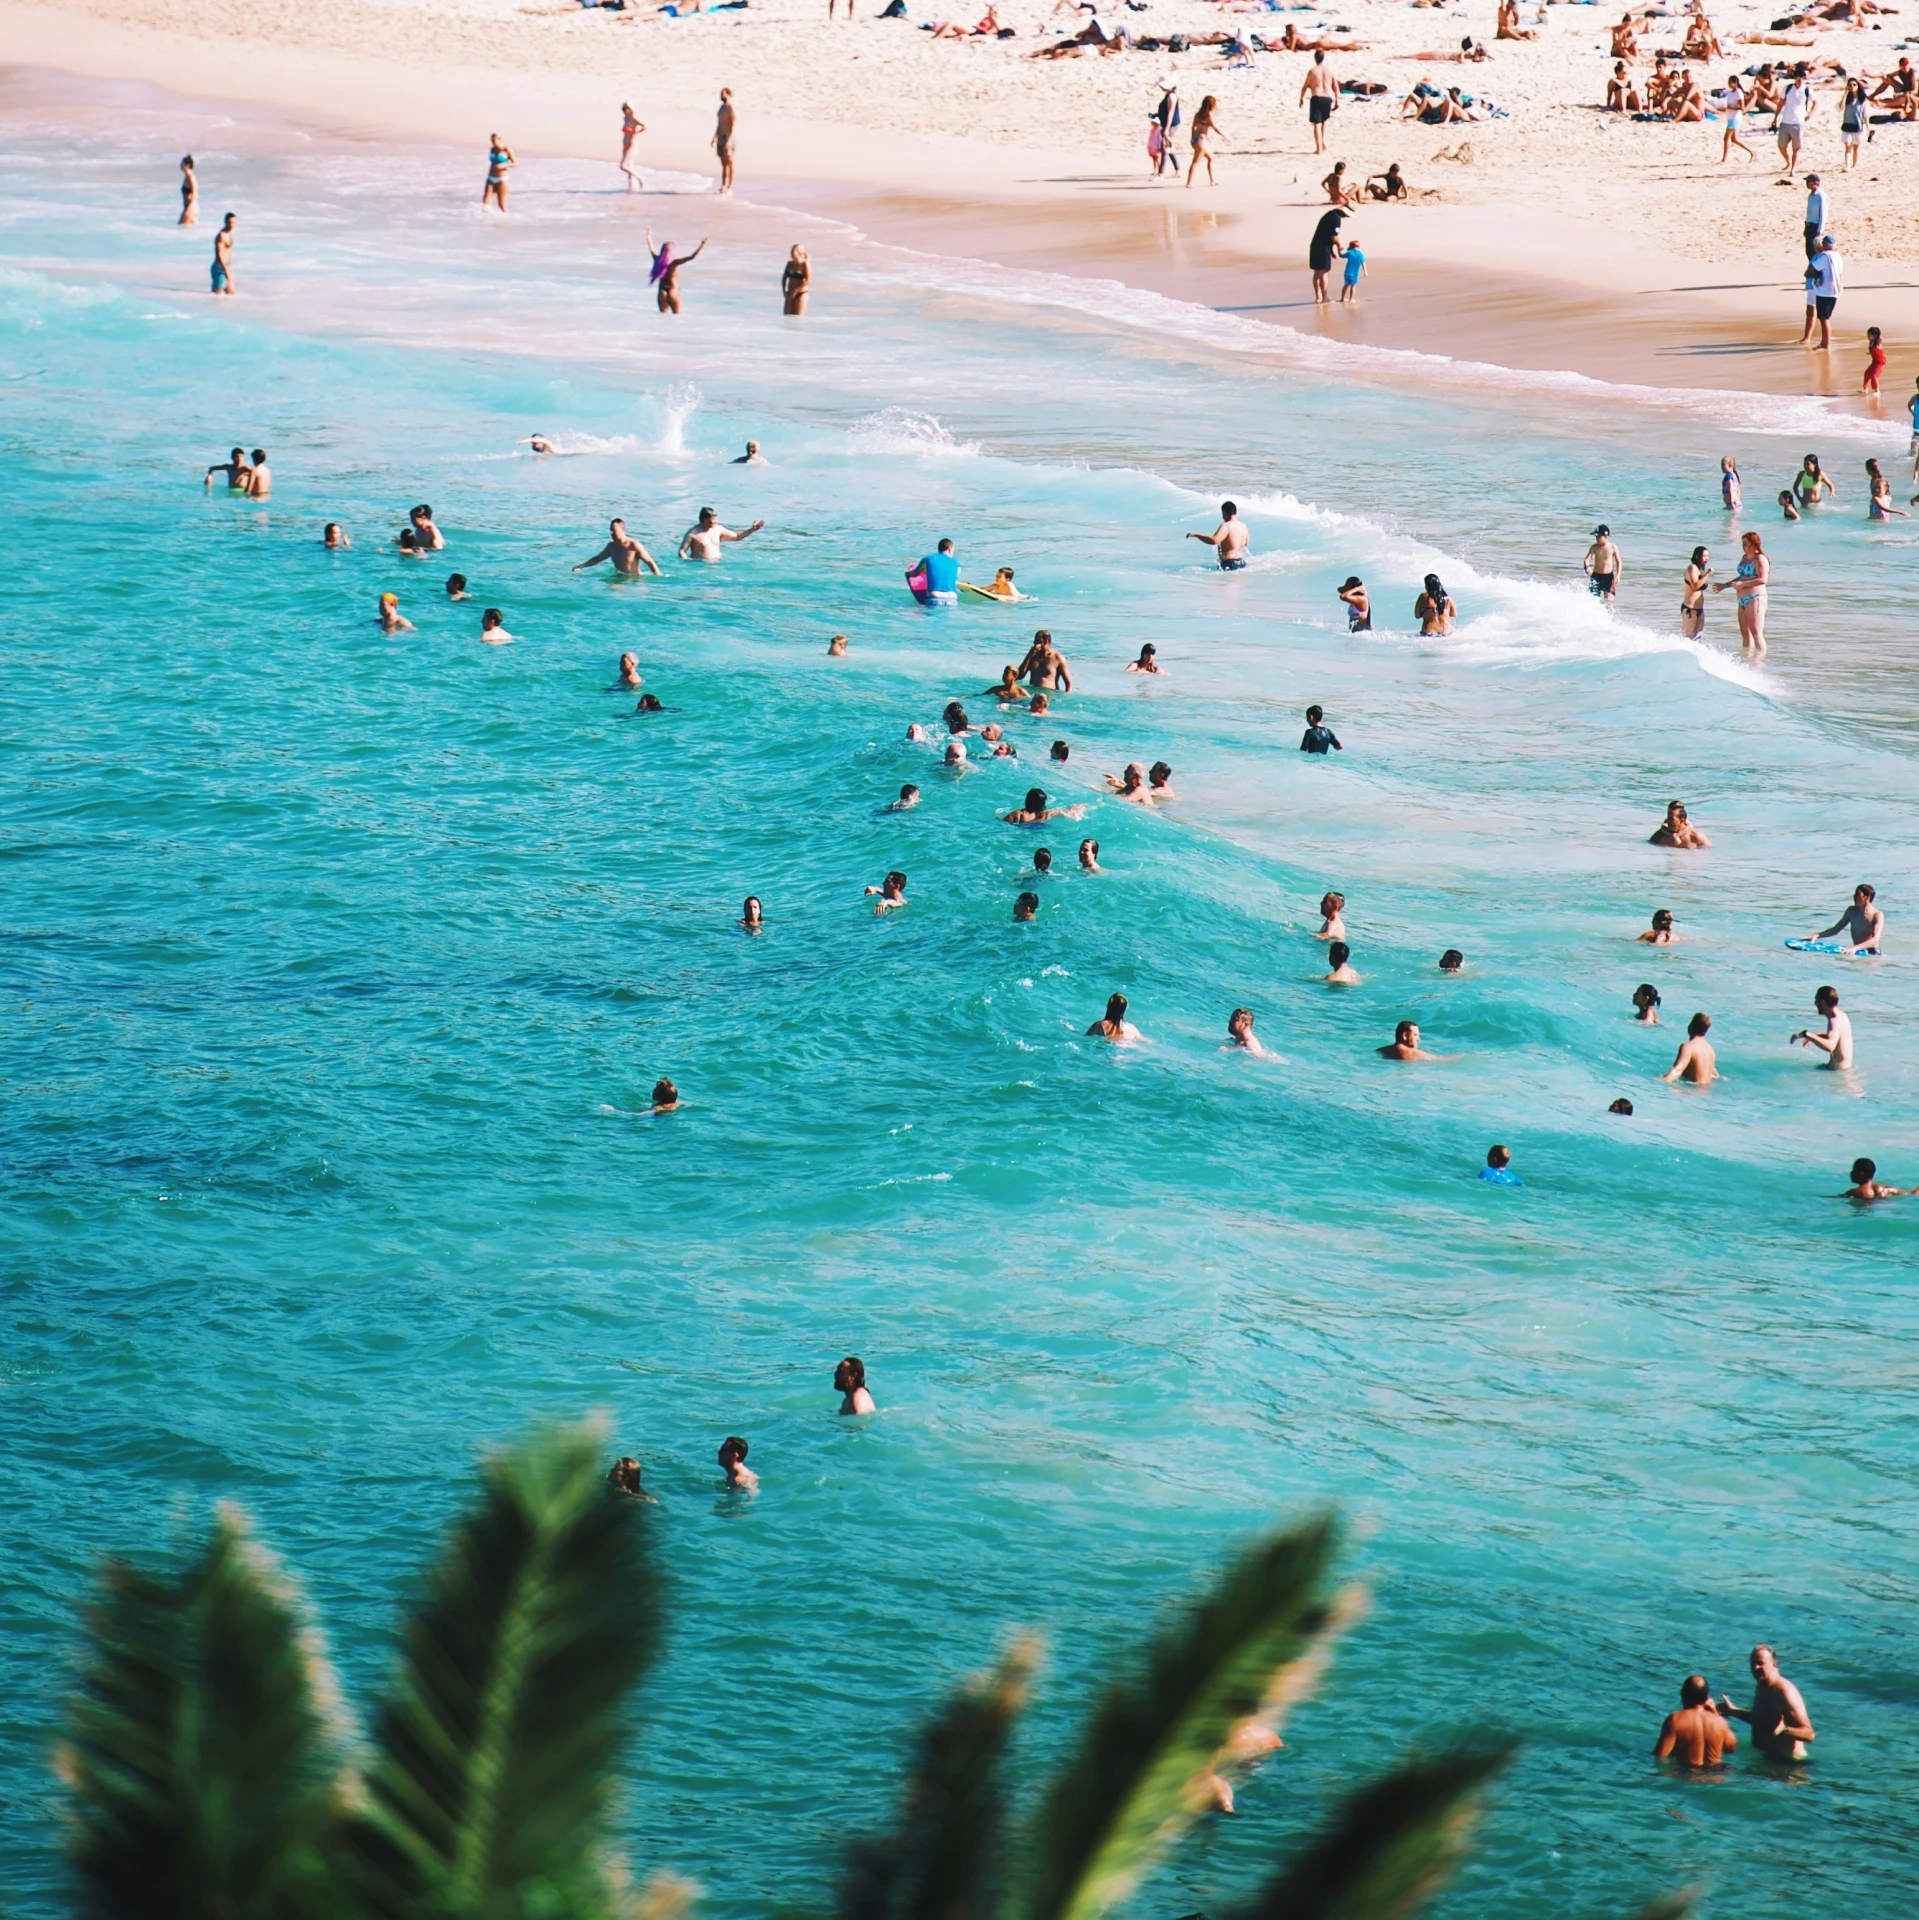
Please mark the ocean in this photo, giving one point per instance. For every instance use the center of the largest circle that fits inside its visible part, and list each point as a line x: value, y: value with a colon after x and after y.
x: 339, y: 966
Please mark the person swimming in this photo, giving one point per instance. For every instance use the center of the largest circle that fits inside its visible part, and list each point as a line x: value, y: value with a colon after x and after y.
x: 1026, y: 907
x: 1645, y: 1000
x: 892, y: 893
x: 1008, y: 689
x: 390, y: 619
x: 909, y: 798
x: 629, y: 680
x: 493, y: 628
x: 649, y: 703
x: 1060, y: 754
x: 740, y: 1478
x: 1866, y: 1185
x: 1695, y: 1061
x: 1159, y: 781
x: 1451, y: 960
x: 333, y: 538
x: 752, y: 916
x: 1239, y: 1033
x: 1001, y: 589
x: 1036, y: 811
x: 836, y: 647
x: 1332, y: 907
x: 1131, y: 785
x: 666, y: 1096
x: 1042, y: 860
x: 456, y: 586
x: 1089, y: 857
x: 1113, y: 1024
x: 1148, y: 661
x: 1660, y: 934
x: 1405, y: 1044
x: 1342, y: 975
x: 1499, y: 1168
x: 849, y: 1382
x: 1677, y: 829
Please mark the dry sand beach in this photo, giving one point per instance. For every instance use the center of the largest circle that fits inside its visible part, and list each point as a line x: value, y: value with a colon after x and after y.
x: 1556, y: 236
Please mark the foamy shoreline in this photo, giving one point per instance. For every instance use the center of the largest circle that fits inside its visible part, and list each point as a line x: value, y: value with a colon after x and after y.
x: 1469, y: 273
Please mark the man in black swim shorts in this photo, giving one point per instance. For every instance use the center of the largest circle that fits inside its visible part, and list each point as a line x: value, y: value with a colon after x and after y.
x: 1320, y: 91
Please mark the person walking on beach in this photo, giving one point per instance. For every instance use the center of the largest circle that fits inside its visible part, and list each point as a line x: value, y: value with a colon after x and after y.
x: 1351, y: 275
x: 665, y: 271
x: 189, y: 194
x: 1852, y: 124
x: 1322, y: 250
x: 631, y: 126
x: 1731, y: 102
x: 1166, y: 118
x: 796, y: 278
x: 499, y: 162
x: 1778, y: 1717
x: 1229, y: 539
x: 1205, y: 126
x: 1319, y: 94
x: 1603, y: 565
x: 1789, y: 124
x: 223, y: 257
x: 724, y: 126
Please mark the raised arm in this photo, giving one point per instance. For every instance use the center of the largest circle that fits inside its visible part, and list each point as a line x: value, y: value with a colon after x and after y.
x: 688, y: 259
x: 744, y: 531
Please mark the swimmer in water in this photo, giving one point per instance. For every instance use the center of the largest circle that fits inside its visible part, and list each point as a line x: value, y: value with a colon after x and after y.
x: 1359, y: 612
x: 427, y: 537
x: 1811, y: 483
x: 1621, y: 1105
x: 1060, y: 753
x: 1879, y: 506
x: 1692, y: 595
x: 849, y: 1382
x: 953, y: 718
x: 1148, y: 661
x: 703, y: 542
x: 1319, y: 737
x: 1045, y: 666
x: 1698, y: 1735
x: 1405, y: 1044
x: 1035, y: 812
x: 918, y: 733
x: 1451, y: 960
x: 1695, y: 1062
x: 1131, y: 785
x: 1342, y: 975
x: 665, y: 271
x: 1159, y: 782
x: 1039, y: 705
x: 649, y: 703
x: 739, y: 1476
x: 541, y: 444
x: 334, y: 538
x: 751, y: 916
x: 629, y: 680
x: 1434, y: 609
x: 1026, y: 907
x: 1239, y: 1033
x: 1229, y: 540
x: 493, y: 628
x: 1114, y: 1025
x: 1780, y: 1723
x: 1089, y: 857
x: 1729, y: 489
x: 994, y: 735
x: 909, y: 798
x: 1786, y: 505
x: 892, y: 893
x: 752, y: 457
x: 1866, y: 1186
x: 1042, y: 861
x: 1660, y: 933
x: 1332, y: 908
x: 1836, y: 1042
x: 666, y: 1096
x: 456, y: 586
x: 624, y: 1477
x: 836, y: 647
x: 1001, y: 589
x: 1645, y: 1000
x: 1864, y: 924
x: 1008, y: 689
x: 235, y: 468
x: 1676, y: 830
x: 626, y: 553
x: 391, y: 619
x: 1499, y: 1168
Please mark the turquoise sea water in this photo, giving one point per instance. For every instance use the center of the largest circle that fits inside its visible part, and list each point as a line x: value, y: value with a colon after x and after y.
x: 337, y: 969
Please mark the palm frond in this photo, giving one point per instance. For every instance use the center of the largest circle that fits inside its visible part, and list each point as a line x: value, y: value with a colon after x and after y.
x: 490, y: 1784
x: 1251, y: 1645
x: 1390, y: 1848
x: 939, y: 1860
x: 202, y: 1753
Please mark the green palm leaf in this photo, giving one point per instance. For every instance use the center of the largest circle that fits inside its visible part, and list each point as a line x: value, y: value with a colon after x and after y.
x: 938, y: 1861
x: 202, y: 1753
x: 490, y: 1787
x: 1254, y: 1642
x: 1390, y: 1847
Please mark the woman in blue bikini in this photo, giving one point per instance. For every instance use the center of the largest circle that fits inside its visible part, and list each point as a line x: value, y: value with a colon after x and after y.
x: 499, y: 158
x: 1754, y: 571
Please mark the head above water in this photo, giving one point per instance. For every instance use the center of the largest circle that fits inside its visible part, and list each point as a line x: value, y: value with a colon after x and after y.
x: 1699, y: 1025
x: 750, y: 910
x: 1826, y: 999
x: 665, y: 1093
x: 850, y: 1375
x: 650, y: 703
x: 1451, y: 960
x: 945, y: 546
x: 1662, y: 920
x: 1498, y: 1157
x: 1864, y: 1170
x: 1314, y: 715
x: 733, y: 1450
x: 1693, y: 1690
x: 909, y: 792
x: 1042, y: 860
x: 491, y: 618
x: 1331, y: 903
x: 456, y: 583
x: 624, y: 1476
x: 1026, y: 907
x: 1406, y: 1034
x: 1645, y: 995
x: 1060, y: 751
x: 1088, y: 852
x: 1035, y: 799
x: 1227, y: 511
x: 1339, y: 953
x: 1621, y: 1105
x: 1116, y: 1007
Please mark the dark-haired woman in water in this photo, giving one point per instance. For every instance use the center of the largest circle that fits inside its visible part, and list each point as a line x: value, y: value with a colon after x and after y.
x: 1434, y: 609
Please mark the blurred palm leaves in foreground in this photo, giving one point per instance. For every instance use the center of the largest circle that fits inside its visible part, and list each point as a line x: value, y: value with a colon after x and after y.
x: 213, y: 1772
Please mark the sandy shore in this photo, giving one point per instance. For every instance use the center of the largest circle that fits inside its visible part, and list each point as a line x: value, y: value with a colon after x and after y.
x: 1557, y: 237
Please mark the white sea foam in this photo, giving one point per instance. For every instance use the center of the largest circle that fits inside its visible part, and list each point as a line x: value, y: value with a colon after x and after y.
x: 903, y: 430
x: 681, y: 403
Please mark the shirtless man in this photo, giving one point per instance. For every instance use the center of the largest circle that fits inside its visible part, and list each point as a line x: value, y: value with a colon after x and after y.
x: 1698, y: 1735
x: 752, y: 457
x: 260, y: 479
x: 703, y: 542
x: 223, y: 257
x: 1045, y: 666
x: 1864, y: 923
x: 1036, y: 811
x: 236, y: 470
x: 1319, y: 93
x: 1603, y: 564
x: 1229, y: 539
x: 723, y: 132
x: 1866, y: 1184
x: 1836, y: 1042
x: 739, y: 1476
x: 429, y: 537
x: 1778, y: 1718
x: 1676, y: 830
x: 1695, y: 1061
x: 626, y: 553
x: 1239, y: 1033
x: 1405, y: 1044
x: 1114, y: 1025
